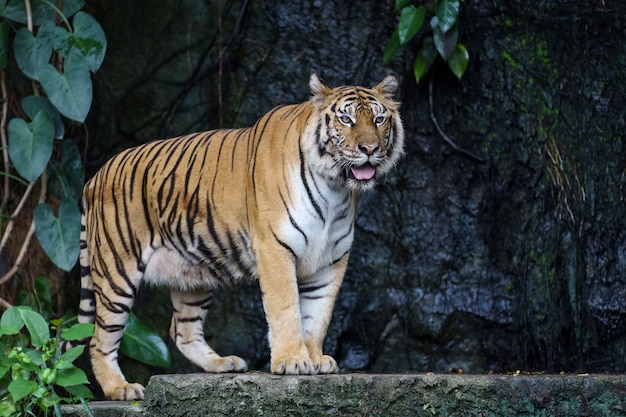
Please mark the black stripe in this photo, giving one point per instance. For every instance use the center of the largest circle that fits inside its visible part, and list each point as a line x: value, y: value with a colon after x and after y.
x: 291, y: 219
x: 304, y: 288
x: 188, y: 319
x: 284, y: 245
x: 240, y: 133
x: 306, y: 184
x: 200, y: 303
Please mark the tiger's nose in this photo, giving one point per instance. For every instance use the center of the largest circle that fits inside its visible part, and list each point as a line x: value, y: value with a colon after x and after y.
x: 368, y: 148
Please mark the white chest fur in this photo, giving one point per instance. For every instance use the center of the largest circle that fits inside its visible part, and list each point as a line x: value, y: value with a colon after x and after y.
x: 320, y: 225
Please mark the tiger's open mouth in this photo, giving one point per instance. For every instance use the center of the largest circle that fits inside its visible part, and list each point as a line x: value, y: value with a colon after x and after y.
x: 364, y: 172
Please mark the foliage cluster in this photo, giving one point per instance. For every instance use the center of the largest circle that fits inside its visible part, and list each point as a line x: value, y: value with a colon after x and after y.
x: 443, y: 42
x: 36, y: 374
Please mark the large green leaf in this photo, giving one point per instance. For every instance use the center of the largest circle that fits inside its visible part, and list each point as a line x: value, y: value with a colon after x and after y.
x: 143, y: 344
x: 447, y: 12
x: 32, y: 105
x: 59, y: 237
x: 458, y: 60
x: 32, y: 53
x: 88, y: 39
x: 66, y: 180
x: 4, y: 42
x: 444, y: 41
x: 70, y: 91
x: 30, y: 144
x: 411, y: 20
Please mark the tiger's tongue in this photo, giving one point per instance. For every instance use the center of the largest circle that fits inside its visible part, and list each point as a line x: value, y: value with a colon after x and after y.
x: 364, y: 172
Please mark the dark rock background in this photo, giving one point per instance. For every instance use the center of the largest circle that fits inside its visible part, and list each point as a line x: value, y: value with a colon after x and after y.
x: 515, y: 262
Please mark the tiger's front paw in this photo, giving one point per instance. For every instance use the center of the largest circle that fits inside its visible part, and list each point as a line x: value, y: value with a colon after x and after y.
x: 124, y: 392
x: 293, y: 365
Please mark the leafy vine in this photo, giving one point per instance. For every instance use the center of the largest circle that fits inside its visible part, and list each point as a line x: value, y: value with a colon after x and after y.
x: 56, y: 47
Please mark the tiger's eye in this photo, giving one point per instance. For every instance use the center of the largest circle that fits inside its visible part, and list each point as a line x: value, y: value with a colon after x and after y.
x: 345, y: 120
x: 379, y: 120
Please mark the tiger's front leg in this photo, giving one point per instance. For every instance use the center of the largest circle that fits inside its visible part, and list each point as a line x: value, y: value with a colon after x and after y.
x: 317, y: 299
x: 279, y: 289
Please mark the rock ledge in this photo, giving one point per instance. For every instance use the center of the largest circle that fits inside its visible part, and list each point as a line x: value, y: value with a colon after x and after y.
x: 260, y: 394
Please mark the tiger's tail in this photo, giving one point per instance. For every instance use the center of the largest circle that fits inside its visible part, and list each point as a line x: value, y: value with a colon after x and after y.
x: 87, y: 306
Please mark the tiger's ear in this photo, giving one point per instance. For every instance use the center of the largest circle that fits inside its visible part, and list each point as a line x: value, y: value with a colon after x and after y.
x: 318, y: 88
x: 388, y: 86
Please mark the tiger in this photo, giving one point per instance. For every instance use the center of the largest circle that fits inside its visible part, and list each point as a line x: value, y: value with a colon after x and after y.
x: 275, y: 203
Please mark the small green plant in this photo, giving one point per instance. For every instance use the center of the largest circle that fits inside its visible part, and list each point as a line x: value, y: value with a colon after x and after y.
x: 36, y: 374
x: 443, y: 42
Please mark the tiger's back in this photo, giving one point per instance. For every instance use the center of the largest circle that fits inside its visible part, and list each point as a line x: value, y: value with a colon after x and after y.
x: 275, y: 202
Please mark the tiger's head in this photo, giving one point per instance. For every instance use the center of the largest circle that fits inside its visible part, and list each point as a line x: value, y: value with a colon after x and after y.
x: 359, y: 133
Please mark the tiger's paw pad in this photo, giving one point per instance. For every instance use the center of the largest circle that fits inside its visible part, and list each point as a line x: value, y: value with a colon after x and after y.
x: 126, y: 392
x: 226, y: 364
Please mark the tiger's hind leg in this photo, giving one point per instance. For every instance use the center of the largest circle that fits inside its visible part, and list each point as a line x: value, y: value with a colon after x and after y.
x: 186, y: 330
x: 113, y: 305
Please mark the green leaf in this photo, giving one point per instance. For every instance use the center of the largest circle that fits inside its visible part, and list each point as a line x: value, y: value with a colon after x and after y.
x: 79, y: 391
x: 411, y: 21
x: 4, y: 369
x: 71, y: 376
x: 392, y: 49
x: 21, y: 388
x: 447, y: 13
x: 31, y: 53
x: 37, y: 327
x: 4, y: 43
x: 8, y: 330
x: 88, y: 39
x: 30, y: 144
x: 20, y: 316
x: 70, y: 91
x: 49, y: 399
x: 67, y: 181
x: 401, y: 3
x: 458, y: 60
x: 59, y: 237
x: 444, y: 41
x: 66, y: 360
x: 35, y: 356
x: 143, y: 344
x: 13, y: 318
x: 32, y: 105
x: 425, y: 58
x: 78, y: 331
